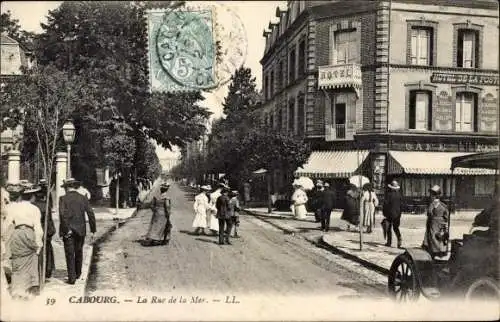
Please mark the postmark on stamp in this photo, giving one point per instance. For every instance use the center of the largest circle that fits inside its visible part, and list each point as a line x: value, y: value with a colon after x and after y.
x: 194, y: 48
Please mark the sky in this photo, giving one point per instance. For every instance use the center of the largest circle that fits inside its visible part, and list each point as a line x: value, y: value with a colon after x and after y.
x: 255, y: 16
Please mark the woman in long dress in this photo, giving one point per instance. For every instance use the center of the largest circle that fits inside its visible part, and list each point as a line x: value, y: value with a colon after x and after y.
x: 351, y: 207
x: 25, y: 244
x: 370, y: 202
x: 436, y: 232
x: 201, y: 204
x: 160, y: 225
x: 212, y: 221
x: 299, y: 199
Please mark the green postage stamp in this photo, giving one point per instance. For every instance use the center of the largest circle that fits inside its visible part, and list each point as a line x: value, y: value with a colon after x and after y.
x: 182, y: 50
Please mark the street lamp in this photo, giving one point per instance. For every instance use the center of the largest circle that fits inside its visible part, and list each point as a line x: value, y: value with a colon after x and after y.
x: 68, y: 130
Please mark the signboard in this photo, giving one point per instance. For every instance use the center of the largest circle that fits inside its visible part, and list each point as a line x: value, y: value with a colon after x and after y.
x: 453, y: 78
x: 378, y: 171
x: 444, y: 147
x: 339, y: 76
x: 443, y: 113
x: 489, y: 114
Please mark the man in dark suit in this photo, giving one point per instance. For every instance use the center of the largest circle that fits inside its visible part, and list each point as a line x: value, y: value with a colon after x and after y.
x: 72, y: 209
x: 224, y: 216
x: 393, y: 204
x: 328, y: 202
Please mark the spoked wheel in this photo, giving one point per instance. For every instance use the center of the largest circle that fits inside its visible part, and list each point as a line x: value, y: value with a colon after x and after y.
x: 403, y: 284
x: 483, y: 289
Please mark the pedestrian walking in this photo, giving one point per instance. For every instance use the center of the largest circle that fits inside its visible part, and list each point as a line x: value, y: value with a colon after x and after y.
x: 328, y: 203
x: 317, y: 199
x: 392, y: 212
x: 25, y: 243
x: 41, y: 202
x: 224, y: 216
x: 234, y: 211
x: 370, y: 202
x: 72, y: 209
x: 201, y: 205
x: 212, y: 221
x: 160, y: 227
x: 436, y: 232
x: 299, y: 199
x: 351, y: 207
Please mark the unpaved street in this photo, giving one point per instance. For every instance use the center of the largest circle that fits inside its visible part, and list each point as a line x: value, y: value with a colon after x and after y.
x: 264, y: 259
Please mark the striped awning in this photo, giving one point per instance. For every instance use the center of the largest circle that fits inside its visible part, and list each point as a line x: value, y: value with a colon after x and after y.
x: 332, y: 164
x: 416, y: 162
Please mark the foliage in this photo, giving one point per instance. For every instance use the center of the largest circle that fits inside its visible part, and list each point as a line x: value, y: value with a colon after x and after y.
x: 12, y: 28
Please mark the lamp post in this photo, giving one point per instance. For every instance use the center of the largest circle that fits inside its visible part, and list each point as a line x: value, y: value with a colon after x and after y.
x: 68, y: 130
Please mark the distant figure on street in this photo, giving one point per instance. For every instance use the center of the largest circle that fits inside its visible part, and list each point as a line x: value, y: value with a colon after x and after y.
x: 160, y: 227
x: 212, y: 221
x: 328, y: 203
x: 25, y: 244
x: 246, y: 191
x: 234, y: 211
x: 299, y: 199
x: 317, y: 200
x: 41, y: 202
x: 224, y: 216
x: 436, y: 232
x: 72, y: 209
x: 370, y: 202
x: 351, y: 207
x: 201, y: 205
x: 392, y: 212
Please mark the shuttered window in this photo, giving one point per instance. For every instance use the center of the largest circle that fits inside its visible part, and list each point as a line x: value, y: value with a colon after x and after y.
x: 420, y: 110
x: 421, y: 46
x: 465, y: 110
x: 346, y: 47
x: 467, y: 48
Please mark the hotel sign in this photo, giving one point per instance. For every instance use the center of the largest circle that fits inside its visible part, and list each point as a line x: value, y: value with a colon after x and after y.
x: 348, y: 75
x: 452, y: 78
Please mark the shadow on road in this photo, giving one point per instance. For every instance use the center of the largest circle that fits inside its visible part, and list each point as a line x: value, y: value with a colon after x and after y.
x: 207, y: 240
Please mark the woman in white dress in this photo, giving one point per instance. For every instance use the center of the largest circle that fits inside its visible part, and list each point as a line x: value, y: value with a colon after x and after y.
x: 370, y: 202
x: 212, y: 221
x: 299, y: 199
x: 201, y: 205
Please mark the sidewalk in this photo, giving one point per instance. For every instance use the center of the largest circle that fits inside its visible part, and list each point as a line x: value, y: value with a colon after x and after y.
x: 375, y: 255
x: 106, y: 221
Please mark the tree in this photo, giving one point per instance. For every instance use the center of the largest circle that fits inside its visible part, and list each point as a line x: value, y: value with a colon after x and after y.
x: 12, y: 28
x: 46, y: 98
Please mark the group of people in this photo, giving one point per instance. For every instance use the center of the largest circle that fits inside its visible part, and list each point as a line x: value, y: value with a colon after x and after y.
x: 27, y: 220
x: 218, y: 211
x: 323, y: 204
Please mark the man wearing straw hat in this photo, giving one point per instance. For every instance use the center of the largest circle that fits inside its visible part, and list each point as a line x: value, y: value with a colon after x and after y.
x: 392, y: 212
x: 72, y: 209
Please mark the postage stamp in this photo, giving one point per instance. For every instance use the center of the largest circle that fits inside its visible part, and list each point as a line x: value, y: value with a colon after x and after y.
x: 194, y: 48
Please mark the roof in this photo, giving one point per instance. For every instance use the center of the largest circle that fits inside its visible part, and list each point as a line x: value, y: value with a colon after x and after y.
x: 332, y: 164
x: 434, y: 163
x: 487, y: 160
x: 6, y: 40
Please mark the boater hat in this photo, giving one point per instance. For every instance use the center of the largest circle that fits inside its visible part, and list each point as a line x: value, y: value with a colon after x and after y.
x: 71, y: 182
x: 206, y: 188
x: 394, y: 185
x: 435, y: 189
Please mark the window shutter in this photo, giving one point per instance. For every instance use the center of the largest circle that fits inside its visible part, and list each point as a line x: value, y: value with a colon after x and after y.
x: 329, y: 131
x: 460, y: 49
x: 421, y: 107
x: 423, y: 47
x: 411, y: 116
x: 353, y: 55
x: 414, y: 46
x: 468, y: 48
x: 458, y: 113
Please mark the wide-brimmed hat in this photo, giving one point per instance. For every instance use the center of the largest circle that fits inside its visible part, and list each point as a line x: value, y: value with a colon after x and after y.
x: 71, y: 182
x: 394, y: 185
x: 42, y: 182
x: 235, y: 192
x: 31, y: 190
x: 14, y: 188
x: 435, y: 189
x: 206, y: 187
x: 326, y: 185
x: 319, y: 183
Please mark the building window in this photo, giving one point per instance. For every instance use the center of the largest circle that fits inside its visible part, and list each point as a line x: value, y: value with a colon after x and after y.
x: 420, y: 110
x: 468, y: 48
x: 291, y: 64
x: 466, y: 112
x: 271, y: 85
x: 291, y: 116
x: 280, y: 75
x: 346, y: 47
x: 302, y: 58
x: 484, y: 185
x: 300, y: 114
x: 421, y: 46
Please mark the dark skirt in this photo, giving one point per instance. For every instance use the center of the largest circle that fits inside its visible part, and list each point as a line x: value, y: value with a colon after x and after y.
x: 159, y: 228
x: 24, y: 261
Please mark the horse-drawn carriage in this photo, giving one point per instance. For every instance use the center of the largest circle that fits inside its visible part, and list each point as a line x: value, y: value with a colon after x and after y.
x: 470, y: 270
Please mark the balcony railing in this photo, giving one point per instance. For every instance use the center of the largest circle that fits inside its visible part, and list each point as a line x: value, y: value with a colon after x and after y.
x: 347, y: 75
x: 339, y: 132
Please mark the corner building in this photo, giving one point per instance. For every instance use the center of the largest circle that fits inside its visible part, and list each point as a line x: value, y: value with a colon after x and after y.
x: 388, y: 89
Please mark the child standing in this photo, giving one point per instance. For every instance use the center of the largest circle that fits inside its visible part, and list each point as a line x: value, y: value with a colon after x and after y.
x: 234, y: 208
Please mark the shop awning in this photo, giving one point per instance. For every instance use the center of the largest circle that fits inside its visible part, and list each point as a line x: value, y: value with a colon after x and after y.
x: 415, y: 162
x: 332, y: 164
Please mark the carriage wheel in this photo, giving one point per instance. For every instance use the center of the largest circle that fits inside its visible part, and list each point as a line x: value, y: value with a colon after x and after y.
x: 483, y: 288
x: 403, y: 284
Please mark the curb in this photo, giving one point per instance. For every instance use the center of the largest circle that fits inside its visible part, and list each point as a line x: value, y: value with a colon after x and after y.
x: 100, y: 240
x: 367, y: 264
x: 322, y: 244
